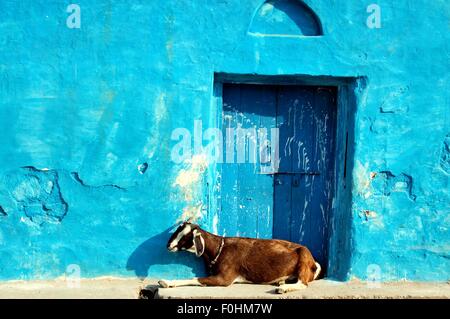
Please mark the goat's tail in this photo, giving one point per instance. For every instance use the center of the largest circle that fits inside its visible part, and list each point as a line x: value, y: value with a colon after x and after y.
x: 318, y: 270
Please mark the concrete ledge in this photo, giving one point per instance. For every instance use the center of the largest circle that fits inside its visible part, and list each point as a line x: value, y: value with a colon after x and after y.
x: 132, y: 288
x: 321, y: 289
x: 98, y: 288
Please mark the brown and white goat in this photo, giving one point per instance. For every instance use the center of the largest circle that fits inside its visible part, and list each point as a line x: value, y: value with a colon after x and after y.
x: 244, y: 260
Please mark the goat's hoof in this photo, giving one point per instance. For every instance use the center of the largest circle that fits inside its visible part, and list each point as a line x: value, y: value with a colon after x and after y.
x: 280, y: 290
x: 163, y: 284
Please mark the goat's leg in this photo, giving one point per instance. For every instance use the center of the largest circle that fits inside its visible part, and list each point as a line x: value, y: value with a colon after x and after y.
x: 179, y: 283
x: 217, y: 280
x: 305, y: 273
x: 290, y: 287
x: 300, y: 284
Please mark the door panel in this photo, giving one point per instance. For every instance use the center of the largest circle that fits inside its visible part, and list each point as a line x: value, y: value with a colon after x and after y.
x: 323, y: 185
x: 306, y: 118
x: 247, y: 194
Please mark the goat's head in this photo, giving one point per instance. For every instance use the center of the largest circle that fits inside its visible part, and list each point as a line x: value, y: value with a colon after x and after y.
x: 187, y: 237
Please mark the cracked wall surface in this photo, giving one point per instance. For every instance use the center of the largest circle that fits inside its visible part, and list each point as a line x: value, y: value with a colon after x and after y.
x: 86, y: 176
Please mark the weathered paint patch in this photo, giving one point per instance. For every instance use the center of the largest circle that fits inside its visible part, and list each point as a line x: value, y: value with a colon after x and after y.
x: 362, y: 179
x: 396, y: 100
x: 189, y: 177
x: 191, y: 213
x: 372, y: 219
x: 190, y: 181
x: 387, y: 183
x: 36, y: 195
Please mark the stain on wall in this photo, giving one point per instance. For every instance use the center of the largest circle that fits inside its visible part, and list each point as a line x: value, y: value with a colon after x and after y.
x: 93, y: 104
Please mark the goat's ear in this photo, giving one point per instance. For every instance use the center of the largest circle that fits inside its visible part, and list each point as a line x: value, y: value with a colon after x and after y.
x: 199, y: 243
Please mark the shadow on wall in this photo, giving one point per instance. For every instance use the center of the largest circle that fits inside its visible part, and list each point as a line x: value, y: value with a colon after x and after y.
x: 153, y: 252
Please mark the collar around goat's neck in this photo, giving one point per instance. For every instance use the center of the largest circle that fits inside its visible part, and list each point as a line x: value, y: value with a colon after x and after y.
x: 213, y: 262
x: 212, y: 253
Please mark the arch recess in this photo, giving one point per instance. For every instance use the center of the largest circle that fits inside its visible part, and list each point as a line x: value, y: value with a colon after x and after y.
x: 285, y: 18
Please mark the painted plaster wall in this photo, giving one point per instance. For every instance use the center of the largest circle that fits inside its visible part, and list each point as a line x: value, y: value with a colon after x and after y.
x: 86, y: 176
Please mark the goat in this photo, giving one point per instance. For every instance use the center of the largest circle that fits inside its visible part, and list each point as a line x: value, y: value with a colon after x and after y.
x: 244, y: 260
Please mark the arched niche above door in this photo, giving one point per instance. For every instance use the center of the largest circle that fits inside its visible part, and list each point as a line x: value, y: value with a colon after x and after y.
x: 285, y: 18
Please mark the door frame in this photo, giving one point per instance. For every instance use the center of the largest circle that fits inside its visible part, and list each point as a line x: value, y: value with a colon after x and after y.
x: 349, y: 92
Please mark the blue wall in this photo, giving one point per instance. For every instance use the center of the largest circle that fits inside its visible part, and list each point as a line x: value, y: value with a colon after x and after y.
x: 84, y: 111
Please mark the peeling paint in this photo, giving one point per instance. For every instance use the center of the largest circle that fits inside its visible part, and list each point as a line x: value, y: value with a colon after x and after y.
x: 389, y: 183
x: 188, y: 177
x: 191, y: 213
x: 395, y: 101
x: 372, y: 219
x: 369, y: 214
x: 37, y: 194
x: 362, y: 179
x: 190, y: 181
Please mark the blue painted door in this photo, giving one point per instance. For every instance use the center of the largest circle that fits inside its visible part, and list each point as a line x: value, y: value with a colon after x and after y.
x: 291, y: 200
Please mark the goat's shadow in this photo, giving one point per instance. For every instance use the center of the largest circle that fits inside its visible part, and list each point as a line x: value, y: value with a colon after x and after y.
x: 153, y: 252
